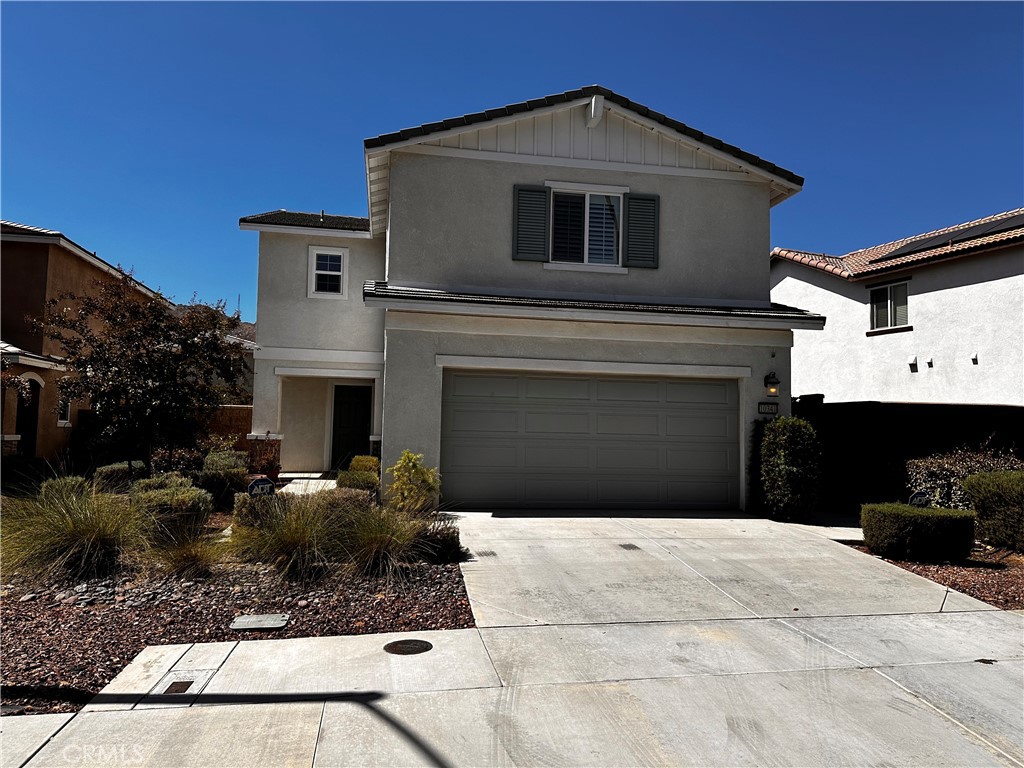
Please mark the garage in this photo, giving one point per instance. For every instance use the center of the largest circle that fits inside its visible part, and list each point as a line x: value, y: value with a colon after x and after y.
x: 535, y: 441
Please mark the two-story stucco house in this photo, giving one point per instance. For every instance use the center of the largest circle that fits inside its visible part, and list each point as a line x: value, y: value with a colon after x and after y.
x: 562, y: 303
x: 936, y: 318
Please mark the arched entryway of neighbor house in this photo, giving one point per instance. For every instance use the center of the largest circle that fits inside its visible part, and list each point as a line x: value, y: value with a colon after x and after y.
x: 350, y: 420
x: 27, y: 422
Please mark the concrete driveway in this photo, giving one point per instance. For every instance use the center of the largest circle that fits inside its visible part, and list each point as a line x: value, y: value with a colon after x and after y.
x: 601, y: 641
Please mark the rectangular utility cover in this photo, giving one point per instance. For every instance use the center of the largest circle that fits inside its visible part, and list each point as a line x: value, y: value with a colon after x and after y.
x: 561, y: 441
x: 260, y: 621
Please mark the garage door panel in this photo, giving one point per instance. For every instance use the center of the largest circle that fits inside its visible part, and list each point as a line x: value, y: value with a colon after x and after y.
x: 557, y: 389
x: 534, y: 440
x: 647, y: 424
x: 710, y: 393
x: 718, y: 459
x: 484, y: 421
x: 466, y: 385
x: 557, y: 457
x: 714, y: 424
x: 629, y: 391
x: 557, y: 423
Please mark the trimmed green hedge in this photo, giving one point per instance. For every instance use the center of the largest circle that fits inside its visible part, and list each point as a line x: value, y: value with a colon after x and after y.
x: 160, y: 482
x: 171, y: 512
x: 365, y: 464
x: 998, y: 500
x: 220, y: 461
x: 118, y: 478
x: 926, y: 534
x: 363, y: 481
x: 790, y: 468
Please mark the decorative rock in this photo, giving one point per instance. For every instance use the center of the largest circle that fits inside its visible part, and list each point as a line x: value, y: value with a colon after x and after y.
x: 302, y: 603
x: 80, y: 588
x: 26, y: 598
x: 70, y: 600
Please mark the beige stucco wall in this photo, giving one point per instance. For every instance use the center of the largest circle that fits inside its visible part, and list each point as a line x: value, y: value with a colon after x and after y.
x: 451, y: 227
x: 957, y: 308
x: 286, y: 317
x: 412, y: 385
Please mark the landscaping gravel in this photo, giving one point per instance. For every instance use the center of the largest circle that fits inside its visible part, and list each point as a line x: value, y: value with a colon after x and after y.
x: 66, y: 641
x: 992, y: 576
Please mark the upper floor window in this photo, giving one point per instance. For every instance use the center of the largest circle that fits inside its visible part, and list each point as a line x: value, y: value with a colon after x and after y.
x: 889, y: 306
x: 600, y: 227
x: 64, y: 414
x: 328, y: 273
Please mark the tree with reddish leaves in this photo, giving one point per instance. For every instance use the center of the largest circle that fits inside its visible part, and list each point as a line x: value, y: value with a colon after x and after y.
x: 153, y: 374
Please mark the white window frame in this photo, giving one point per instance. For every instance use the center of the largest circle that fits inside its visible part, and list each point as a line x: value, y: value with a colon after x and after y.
x: 65, y: 411
x: 890, y: 306
x: 311, y: 291
x: 573, y: 188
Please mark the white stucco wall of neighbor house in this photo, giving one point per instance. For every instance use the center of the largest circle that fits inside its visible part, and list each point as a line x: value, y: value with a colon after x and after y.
x: 451, y: 227
x: 968, y: 334
x: 413, y: 396
x: 310, y: 344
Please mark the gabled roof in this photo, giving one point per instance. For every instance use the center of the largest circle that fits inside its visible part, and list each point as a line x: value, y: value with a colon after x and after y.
x: 689, y: 150
x: 10, y: 230
x: 968, y: 238
x: 283, y: 218
x: 586, y: 91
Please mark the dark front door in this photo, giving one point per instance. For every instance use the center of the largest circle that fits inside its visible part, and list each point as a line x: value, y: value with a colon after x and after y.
x: 353, y: 420
x: 28, y: 421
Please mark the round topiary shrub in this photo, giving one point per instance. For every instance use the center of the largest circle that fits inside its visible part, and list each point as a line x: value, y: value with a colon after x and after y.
x: 362, y: 481
x: 790, y: 468
x: 926, y: 534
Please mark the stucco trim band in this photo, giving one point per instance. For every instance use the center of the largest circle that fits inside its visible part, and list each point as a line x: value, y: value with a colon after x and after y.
x: 328, y: 373
x: 593, y: 367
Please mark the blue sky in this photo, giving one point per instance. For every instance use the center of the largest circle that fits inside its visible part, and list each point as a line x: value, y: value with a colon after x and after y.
x: 143, y: 131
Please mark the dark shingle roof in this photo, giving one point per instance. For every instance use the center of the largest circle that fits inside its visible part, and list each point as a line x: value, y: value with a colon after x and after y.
x: 970, y: 237
x: 283, y: 218
x: 381, y: 290
x: 580, y: 93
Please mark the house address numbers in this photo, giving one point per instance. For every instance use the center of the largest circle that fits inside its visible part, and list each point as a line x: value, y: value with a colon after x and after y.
x: 771, y: 409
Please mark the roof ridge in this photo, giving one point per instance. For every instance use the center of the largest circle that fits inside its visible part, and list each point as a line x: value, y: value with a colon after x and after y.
x: 933, y: 233
x: 40, y: 230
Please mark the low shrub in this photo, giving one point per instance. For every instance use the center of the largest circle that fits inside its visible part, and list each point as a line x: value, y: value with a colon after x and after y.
x: 790, y: 468
x: 171, y: 513
x: 219, y: 461
x: 161, y: 482
x: 62, y: 487
x: 903, y: 532
x: 440, y: 544
x: 118, y: 478
x: 365, y: 464
x: 184, y: 460
x: 255, y: 511
x: 414, y: 488
x: 360, y: 480
x: 299, y: 534
x: 380, y: 539
x: 76, y: 535
x: 941, y: 476
x: 998, y: 501
x: 222, y: 485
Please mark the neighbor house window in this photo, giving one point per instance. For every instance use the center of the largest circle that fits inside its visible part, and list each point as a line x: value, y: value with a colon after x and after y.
x: 586, y: 227
x: 64, y: 415
x: 889, y: 306
x: 328, y: 272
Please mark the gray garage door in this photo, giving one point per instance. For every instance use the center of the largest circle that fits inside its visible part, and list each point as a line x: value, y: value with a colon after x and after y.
x: 538, y: 441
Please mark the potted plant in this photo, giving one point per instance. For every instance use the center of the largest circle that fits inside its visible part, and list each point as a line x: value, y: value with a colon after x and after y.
x: 264, y: 457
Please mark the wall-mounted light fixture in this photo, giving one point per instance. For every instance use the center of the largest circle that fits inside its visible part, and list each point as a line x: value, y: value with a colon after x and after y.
x: 771, y: 384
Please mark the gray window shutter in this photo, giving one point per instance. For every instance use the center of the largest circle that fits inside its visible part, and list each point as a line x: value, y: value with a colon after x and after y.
x: 641, y: 227
x: 899, y: 305
x: 530, y: 233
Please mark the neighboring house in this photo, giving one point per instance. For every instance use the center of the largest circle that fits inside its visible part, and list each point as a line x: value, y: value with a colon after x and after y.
x: 934, y: 318
x: 37, y: 265
x: 561, y: 303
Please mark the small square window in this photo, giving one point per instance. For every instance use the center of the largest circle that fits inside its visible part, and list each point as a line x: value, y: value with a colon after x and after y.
x: 328, y: 278
x: 586, y: 228
x: 64, y: 415
x: 889, y: 306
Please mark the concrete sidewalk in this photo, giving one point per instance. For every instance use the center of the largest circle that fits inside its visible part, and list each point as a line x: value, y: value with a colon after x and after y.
x: 643, y: 641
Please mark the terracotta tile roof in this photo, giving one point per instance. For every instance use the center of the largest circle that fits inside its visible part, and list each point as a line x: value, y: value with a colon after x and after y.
x: 320, y: 220
x: 970, y: 237
x: 561, y: 98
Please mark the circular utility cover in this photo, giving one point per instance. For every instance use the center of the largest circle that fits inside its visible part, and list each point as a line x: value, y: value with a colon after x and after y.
x: 408, y: 647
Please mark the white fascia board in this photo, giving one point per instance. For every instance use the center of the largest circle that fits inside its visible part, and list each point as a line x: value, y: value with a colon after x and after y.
x: 328, y: 373
x: 594, y: 315
x: 83, y: 254
x: 319, y: 355
x: 33, y: 362
x: 593, y: 367
x: 343, y: 233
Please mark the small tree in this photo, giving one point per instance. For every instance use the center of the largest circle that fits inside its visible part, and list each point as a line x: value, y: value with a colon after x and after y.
x: 153, y: 376
x: 790, y: 468
x: 13, y: 382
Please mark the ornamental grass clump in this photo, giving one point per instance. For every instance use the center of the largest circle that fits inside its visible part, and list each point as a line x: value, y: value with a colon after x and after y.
x: 170, y: 513
x: 161, y: 482
x: 924, y: 534
x: 63, y: 487
x: 382, y: 538
x: 998, y: 500
x: 76, y: 535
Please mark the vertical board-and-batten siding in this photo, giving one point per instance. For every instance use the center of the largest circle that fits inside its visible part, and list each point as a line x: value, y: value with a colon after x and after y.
x: 564, y: 134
